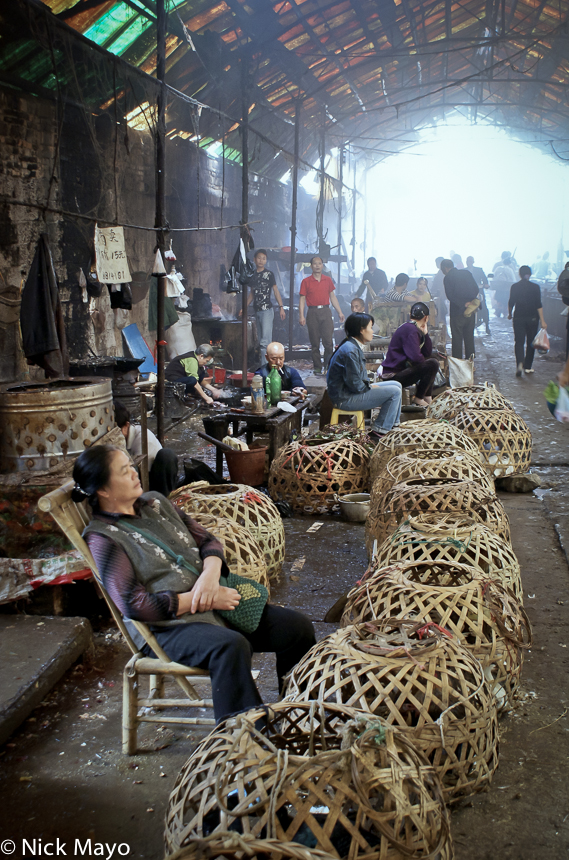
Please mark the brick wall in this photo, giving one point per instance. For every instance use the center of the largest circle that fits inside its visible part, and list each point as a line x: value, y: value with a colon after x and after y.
x: 77, y: 169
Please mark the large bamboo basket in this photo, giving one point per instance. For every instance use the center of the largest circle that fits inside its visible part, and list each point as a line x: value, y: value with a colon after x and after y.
x: 486, y: 396
x: 346, y: 784
x: 455, y: 538
x: 418, y: 679
x: 309, y: 475
x: 390, y: 509
x: 234, y: 845
x: 424, y: 465
x: 243, y: 554
x: 426, y: 434
x: 503, y: 438
x: 479, y: 612
x: 245, y: 506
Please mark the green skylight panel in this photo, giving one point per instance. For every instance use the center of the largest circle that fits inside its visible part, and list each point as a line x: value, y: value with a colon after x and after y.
x: 121, y: 20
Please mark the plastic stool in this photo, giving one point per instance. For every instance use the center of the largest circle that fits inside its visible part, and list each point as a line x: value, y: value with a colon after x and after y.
x: 358, y: 413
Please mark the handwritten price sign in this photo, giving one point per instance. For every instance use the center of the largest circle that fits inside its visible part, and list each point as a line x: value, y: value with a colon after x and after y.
x: 110, y: 254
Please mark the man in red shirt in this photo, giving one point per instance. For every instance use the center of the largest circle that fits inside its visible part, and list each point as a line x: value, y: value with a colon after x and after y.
x: 316, y: 293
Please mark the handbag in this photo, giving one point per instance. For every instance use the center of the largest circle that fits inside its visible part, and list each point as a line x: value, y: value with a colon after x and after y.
x: 254, y: 596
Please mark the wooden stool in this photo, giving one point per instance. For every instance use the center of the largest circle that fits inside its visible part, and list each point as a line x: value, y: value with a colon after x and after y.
x: 358, y: 413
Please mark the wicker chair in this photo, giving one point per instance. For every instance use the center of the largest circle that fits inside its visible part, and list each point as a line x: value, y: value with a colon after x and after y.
x: 72, y: 519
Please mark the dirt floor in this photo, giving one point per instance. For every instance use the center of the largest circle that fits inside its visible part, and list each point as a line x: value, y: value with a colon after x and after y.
x: 63, y: 776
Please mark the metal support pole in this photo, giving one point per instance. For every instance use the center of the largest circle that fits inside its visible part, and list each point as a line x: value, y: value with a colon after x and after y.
x: 160, y: 207
x: 365, y: 215
x: 354, y: 201
x: 340, y: 201
x: 293, y: 227
x: 244, y: 202
x: 320, y: 210
x: 144, y: 444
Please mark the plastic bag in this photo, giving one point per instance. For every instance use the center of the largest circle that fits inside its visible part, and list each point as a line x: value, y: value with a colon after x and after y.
x: 562, y: 406
x: 541, y: 341
x: 460, y: 372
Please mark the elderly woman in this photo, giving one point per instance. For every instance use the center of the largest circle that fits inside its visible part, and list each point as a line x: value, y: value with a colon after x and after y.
x: 190, y: 368
x: 181, y: 607
x: 348, y: 383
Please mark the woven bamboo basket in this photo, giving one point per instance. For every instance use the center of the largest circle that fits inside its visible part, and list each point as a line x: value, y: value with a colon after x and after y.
x: 455, y: 538
x: 243, y: 554
x: 479, y: 612
x: 231, y: 844
x: 387, y: 511
x: 309, y: 476
x: 423, y: 465
x: 447, y: 404
x: 245, y: 506
x: 426, y: 434
x: 329, y: 778
x: 418, y: 679
x: 503, y: 438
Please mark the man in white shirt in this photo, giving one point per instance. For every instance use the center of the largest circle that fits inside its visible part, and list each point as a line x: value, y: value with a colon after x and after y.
x: 162, y: 462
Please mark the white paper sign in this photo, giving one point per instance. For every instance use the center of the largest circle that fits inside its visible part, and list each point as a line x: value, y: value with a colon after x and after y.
x: 110, y: 254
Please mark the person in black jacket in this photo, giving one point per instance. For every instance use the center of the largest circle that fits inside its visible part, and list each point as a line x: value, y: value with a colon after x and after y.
x: 525, y: 303
x: 374, y: 278
x: 462, y: 292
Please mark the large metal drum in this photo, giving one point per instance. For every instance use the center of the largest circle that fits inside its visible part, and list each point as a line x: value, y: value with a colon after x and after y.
x: 44, y: 423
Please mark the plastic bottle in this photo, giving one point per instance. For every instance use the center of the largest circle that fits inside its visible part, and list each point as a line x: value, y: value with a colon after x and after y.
x: 275, y: 383
x: 257, y: 394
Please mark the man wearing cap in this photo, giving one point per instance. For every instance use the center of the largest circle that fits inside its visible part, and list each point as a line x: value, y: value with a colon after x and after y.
x: 316, y: 293
x: 189, y: 368
x: 409, y: 357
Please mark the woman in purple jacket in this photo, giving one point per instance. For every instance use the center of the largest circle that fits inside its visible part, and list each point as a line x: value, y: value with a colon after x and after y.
x: 408, y: 358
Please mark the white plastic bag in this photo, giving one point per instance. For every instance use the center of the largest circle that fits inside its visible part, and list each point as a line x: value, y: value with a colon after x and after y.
x: 180, y: 337
x: 460, y: 372
x: 541, y: 341
x: 562, y: 406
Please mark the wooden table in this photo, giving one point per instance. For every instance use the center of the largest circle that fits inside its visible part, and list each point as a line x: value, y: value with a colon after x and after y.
x: 279, y: 425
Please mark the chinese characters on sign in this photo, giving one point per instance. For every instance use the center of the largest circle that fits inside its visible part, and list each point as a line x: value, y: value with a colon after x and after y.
x: 110, y: 254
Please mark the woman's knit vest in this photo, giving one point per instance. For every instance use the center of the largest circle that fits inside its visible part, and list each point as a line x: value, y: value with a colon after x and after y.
x: 154, y: 568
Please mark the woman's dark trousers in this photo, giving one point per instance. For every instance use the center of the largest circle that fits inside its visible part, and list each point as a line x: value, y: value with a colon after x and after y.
x: 421, y: 374
x: 227, y: 653
x: 525, y: 329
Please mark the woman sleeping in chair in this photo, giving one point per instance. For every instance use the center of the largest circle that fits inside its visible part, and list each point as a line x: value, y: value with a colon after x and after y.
x: 161, y: 567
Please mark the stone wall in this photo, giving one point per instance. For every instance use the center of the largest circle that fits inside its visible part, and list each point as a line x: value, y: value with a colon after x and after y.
x: 106, y: 171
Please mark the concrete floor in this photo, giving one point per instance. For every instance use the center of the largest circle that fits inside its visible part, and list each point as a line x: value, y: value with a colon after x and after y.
x: 62, y: 773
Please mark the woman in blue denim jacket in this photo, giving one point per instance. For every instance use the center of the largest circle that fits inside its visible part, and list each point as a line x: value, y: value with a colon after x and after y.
x: 348, y: 384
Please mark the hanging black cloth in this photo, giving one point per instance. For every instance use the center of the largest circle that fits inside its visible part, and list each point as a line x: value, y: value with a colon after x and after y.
x: 239, y: 272
x: 121, y: 297
x: 41, y: 317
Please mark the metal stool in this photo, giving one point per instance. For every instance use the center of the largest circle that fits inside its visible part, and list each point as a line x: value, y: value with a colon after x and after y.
x: 358, y: 413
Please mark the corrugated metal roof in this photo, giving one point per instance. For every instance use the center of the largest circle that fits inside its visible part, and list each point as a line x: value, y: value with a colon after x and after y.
x: 370, y: 72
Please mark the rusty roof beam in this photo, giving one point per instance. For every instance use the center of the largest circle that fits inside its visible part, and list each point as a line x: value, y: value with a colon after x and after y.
x: 330, y: 57
x: 301, y: 75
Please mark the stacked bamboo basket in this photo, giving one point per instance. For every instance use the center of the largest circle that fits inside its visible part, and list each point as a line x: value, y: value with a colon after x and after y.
x: 395, y: 715
x: 248, y: 510
x: 433, y: 635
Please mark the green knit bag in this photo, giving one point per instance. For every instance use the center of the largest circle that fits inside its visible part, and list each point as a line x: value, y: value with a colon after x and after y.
x: 254, y: 596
